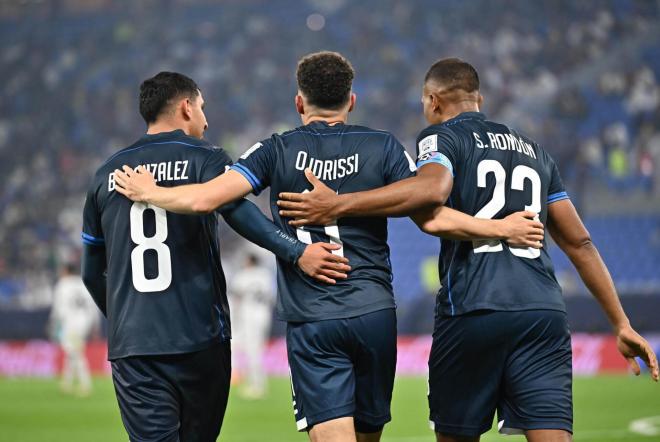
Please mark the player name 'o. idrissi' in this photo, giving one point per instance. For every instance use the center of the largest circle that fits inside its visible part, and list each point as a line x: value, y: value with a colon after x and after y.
x: 328, y: 169
x: 505, y: 142
x: 165, y: 171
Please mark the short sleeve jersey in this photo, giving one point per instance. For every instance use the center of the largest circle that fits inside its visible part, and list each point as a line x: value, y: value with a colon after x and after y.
x: 496, y: 172
x: 348, y: 159
x: 166, y: 291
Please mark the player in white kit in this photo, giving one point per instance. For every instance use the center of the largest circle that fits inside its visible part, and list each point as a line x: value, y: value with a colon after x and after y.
x: 253, y: 290
x: 73, y: 316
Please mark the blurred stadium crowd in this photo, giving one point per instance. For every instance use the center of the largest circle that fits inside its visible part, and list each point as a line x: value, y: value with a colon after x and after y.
x: 580, y: 77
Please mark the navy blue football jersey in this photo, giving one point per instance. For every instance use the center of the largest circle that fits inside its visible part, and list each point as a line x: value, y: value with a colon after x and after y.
x: 496, y: 172
x: 166, y: 290
x: 348, y: 159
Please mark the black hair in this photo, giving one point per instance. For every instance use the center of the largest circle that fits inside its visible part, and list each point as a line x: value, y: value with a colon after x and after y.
x: 325, y: 78
x: 453, y: 74
x: 158, y: 92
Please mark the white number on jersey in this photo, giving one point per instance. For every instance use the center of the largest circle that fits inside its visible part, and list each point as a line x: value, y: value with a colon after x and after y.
x: 157, y: 243
x: 332, y: 230
x: 497, y: 202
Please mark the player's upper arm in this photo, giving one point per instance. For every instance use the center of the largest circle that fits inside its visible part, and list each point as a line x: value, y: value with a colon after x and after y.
x: 566, y: 227
x: 92, y: 231
x: 257, y: 164
x: 223, y: 188
x: 436, y: 159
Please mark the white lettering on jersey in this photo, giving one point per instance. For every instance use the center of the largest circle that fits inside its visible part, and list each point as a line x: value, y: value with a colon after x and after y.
x: 328, y: 170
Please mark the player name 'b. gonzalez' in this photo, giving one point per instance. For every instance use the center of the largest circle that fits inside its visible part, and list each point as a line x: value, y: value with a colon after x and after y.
x: 165, y: 171
x: 505, y: 142
x: 328, y: 169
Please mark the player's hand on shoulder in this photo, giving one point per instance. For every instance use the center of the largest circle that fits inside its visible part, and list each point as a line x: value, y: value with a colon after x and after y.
x: 317, y: 207
x: 631, y: 345
x: 523, y: 229
x: 134, y: 184
x: 320, y: 263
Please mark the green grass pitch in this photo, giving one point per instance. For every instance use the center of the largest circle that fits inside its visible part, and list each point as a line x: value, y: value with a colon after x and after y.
x: 35, y: 410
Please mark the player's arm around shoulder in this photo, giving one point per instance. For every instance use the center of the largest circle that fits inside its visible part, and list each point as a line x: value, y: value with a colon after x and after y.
x: 570, y: 234
x: 520, y: 229
x: 139, y: 185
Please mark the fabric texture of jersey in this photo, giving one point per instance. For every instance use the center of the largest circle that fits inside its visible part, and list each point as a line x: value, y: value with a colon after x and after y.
x: 519, y: 363
x: 166, y: 291
x: 347, y: 159
x: 496, y: 172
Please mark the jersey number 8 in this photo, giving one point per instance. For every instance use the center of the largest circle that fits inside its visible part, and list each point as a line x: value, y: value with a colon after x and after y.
x: 156, y: 243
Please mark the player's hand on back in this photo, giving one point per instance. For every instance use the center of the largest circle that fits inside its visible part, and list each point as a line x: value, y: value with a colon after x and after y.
x: 134, y: 184
x: 523, y: 229
x: 317, y: 207
x: 320, y: 263
x: 631, y: 345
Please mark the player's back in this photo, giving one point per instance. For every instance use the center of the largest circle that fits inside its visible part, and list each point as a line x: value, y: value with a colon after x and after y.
x: 496, y: 172
x: 347, y: 158
x: 166, y: 290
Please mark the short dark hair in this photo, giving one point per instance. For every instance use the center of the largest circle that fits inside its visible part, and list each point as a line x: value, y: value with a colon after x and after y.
x: 325, y: 78
x: 454, y: 74
x: 158, y: 92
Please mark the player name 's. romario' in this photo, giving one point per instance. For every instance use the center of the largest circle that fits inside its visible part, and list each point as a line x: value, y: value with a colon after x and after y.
x: 505, y: 142
x: 328, y: 169
x: 165, y: 171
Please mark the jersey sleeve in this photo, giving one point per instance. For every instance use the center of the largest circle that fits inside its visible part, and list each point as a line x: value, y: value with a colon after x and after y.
x: 556, y: 190
x: 92, y: 233
x: 216, y: 164
x: 437, y: 146
x: 257, y: 164
x: 397, y: 165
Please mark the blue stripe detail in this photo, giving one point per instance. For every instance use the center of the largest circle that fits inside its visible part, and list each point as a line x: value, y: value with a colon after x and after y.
x: 89, y: 239
x: 247, y: 173
x: 152, y: 144
x: 338, y: 133
x: 557, y: 197
x: 438, y: 158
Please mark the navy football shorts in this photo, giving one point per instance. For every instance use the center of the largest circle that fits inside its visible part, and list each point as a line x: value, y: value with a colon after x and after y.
x: 516, y: 362
x: 343, y: 367
x: 173, y: 398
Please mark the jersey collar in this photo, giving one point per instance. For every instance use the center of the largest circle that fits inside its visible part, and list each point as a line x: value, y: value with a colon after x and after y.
x: 463, y: 115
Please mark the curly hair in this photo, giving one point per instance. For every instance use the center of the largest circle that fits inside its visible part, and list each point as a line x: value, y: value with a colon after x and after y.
x: 325, y: 79
x: 454, y: 74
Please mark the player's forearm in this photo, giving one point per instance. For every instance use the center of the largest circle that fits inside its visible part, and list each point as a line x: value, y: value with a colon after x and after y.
x: 249, y: 222
x: 93, y: 270
x: 596, y: 277
x: 398, y: 199
x: 452, y: 224
x: 187, y: 199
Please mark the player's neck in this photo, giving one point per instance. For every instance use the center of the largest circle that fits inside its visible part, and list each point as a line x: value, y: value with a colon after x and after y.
x: 456, y: 109
x: 329, y: 119
x: 160, y: 127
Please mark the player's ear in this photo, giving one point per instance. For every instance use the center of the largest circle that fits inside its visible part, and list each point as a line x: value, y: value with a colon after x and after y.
x: 186, y: 108
x: 300, y: 104
x: 353, y: 99
x: 480, y: 101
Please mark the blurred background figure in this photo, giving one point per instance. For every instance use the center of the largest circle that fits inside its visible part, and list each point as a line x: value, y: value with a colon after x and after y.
x: 252, y: 311
x: 73, y: 318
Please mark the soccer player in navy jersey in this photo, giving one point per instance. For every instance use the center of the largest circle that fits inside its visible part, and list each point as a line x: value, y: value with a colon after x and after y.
x: 341, y: 339
x: 501, y: 340
x: 157, y: 275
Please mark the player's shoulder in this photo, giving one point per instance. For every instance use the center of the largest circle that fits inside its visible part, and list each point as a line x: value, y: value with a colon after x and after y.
x: 538, y: 149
